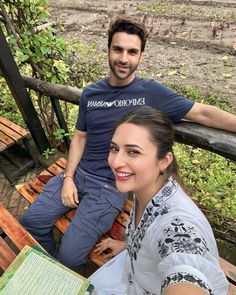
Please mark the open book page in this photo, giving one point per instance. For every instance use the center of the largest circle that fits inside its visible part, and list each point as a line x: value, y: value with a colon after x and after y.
x: 35, y: 273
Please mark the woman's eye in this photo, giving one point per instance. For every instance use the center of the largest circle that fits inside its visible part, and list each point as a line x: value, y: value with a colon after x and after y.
x: 113, y: 149
x: 133, y: 152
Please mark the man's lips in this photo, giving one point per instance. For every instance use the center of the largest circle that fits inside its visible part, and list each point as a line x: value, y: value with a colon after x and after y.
x: 122, y: 67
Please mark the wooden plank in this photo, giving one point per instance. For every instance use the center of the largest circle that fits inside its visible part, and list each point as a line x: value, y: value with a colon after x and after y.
x: 70, y: 213
x: 232, y: 289
x: 27, y: 193
x: 123, y: 218
x: 117, y: 231
x: 3, y: 146
x: 55, y: 169
x: 62, y: 223
x: 61, y: 162
x: 45, y: 176
x: 229, y: 270
x: 128, y: 206
x: 16, y: 233
x: 6, y: 255
x: 22, y: 132
x: 11, y: 133
x: 36, y: 184
x: 6, y: 139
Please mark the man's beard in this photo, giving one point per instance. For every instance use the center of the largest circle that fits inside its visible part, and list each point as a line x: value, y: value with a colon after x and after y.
x: 119, y: 75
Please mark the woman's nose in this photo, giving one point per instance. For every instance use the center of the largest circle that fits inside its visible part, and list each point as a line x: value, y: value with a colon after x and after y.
x: 117, y: 160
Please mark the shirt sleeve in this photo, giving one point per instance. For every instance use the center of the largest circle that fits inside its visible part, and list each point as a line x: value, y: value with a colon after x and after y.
x: 81, y: 120
x: 173, y: 105
x: 184, y: 257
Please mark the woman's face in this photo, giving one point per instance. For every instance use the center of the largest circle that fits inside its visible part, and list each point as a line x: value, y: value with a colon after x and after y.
x: 133, y: 160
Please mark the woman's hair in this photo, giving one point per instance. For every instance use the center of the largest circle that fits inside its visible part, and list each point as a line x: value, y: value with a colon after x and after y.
x: 127, y: 25
x: 161, y: 131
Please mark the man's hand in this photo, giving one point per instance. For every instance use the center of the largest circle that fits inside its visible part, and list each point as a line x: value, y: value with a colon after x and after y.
x: 113, y: 246
x: 69, y: 193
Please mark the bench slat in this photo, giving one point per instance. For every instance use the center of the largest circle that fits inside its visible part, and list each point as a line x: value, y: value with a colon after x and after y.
x: 229, y: 270
x: 55, y: 169
x: 3, y: 146
x: 6, y: 255
x: 22, y: 132
x: 117, y: 231
x: 18, y: 235
x: 61, y: 162
x: 6, y: 139
x: 11, y: 133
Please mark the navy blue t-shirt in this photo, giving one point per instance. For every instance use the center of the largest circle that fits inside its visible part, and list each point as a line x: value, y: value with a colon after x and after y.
x: 102, y: 105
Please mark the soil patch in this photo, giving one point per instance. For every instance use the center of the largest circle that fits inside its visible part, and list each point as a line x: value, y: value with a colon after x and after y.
x: 191, y: 43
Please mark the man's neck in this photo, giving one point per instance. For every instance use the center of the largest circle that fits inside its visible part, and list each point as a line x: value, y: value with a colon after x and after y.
x: 116, y: 82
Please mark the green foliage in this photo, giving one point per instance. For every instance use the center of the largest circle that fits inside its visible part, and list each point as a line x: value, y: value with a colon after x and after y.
x: 85, y: 64
x: 59, y: 134
x: 41, y: 53
x: 188, y: 10
x: 212, y: 98
x: 48, y: 152
x: 209, y: 177
x: 8, y: 107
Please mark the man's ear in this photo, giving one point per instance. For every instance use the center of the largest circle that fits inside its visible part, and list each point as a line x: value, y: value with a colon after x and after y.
x: 141, y: 56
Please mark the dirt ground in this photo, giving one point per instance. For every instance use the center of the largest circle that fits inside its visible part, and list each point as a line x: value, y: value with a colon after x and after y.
x: 191, y: 43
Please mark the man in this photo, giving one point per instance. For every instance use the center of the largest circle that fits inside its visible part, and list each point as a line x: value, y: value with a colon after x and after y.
x: 87, y: 179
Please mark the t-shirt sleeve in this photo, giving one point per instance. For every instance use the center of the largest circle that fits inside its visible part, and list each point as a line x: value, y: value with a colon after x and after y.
x: 81, y: 121
x: 184, y: 257
x: 173, y: 105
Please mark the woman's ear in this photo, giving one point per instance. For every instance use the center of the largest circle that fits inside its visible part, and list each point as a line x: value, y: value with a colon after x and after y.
x: 166, y: 161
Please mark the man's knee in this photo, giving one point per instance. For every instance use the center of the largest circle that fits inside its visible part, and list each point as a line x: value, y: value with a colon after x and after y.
x: 72, y: 259
x: 25, y: 220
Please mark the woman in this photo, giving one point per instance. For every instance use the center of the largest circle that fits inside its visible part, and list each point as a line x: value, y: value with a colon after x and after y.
x: 169, y: 247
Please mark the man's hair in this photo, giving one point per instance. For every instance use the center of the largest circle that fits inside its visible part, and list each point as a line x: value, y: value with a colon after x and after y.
x: 127, y: 25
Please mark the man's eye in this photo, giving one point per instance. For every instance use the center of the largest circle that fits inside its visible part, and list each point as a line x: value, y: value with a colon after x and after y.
x: 133, y: 53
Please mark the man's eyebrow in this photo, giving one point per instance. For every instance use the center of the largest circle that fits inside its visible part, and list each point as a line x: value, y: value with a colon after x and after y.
x: 133, y: 50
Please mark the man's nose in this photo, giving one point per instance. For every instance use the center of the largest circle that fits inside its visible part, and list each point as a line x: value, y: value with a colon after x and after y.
x: 124, y: 57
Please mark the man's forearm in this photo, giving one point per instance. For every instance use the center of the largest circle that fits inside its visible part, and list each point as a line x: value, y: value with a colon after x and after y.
x: 212, y: 116
x: 76, y: 151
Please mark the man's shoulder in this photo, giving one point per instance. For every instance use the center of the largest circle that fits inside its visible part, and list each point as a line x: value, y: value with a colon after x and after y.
x: 149, y: 82
x: 101, y: 84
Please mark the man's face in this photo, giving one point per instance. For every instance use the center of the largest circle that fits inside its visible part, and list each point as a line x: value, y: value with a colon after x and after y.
x: 124, y: 56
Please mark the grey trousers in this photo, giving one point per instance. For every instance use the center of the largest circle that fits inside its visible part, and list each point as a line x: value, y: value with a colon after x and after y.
x: 100, y: 202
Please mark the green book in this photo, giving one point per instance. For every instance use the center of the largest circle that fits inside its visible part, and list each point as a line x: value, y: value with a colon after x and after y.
x: 34, y: 272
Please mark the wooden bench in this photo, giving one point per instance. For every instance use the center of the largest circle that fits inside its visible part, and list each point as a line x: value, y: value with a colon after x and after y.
x: 17, y: 236
x: 30, y: 191
x: 11, y: 134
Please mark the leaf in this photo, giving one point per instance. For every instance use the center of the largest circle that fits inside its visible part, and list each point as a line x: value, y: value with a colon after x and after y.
x: 172, y: 73
x: 227, y: 75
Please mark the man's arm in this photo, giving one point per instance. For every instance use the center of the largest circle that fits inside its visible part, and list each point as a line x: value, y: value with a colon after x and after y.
x: 69, y: 193
x: 212, y: 116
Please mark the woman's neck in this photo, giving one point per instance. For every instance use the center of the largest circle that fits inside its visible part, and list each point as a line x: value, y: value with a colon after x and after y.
x: 142, y: 199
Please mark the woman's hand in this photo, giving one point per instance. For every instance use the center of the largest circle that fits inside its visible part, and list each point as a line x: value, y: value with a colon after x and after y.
x: 113, y: 246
